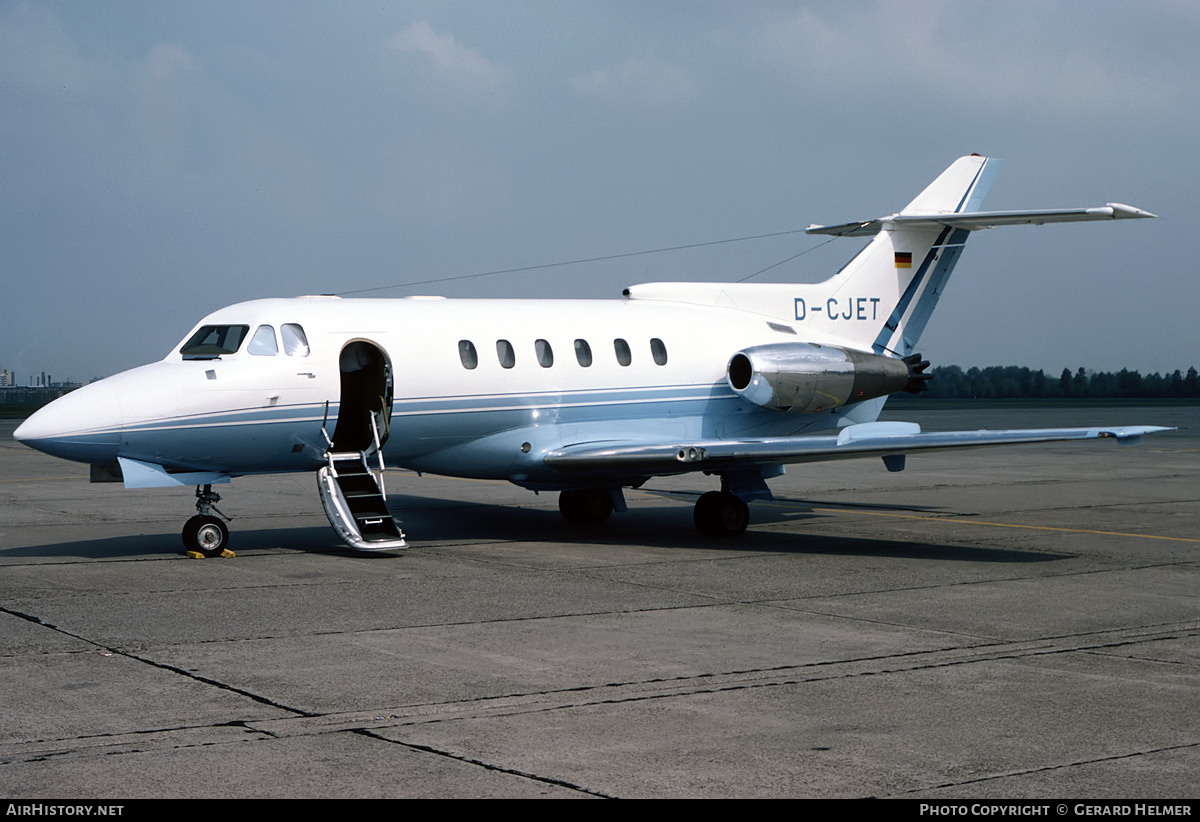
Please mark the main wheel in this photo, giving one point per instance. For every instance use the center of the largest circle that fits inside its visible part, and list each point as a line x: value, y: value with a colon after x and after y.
x: 206, y: 535
x: 721, y: 514
x: 587, y: 506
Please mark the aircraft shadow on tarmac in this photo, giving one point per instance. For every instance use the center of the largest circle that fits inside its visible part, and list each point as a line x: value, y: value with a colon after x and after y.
x: 430, y: 521
x: 670, y: 526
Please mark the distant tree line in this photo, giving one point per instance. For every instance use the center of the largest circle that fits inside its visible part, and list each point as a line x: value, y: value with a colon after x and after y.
x: 1019, y: 382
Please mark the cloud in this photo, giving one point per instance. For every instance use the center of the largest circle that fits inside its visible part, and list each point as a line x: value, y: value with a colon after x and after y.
x: 167, y: 63
x: 905, y: 49
x: 644, y: 82
x: 452, y: 67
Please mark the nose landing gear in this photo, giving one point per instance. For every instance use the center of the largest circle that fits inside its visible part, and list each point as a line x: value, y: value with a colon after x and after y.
x: 204, y: 534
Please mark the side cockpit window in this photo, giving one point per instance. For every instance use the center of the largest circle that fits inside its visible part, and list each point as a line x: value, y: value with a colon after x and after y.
x: 262, y: 344
x: 295, y: 343
x: 211, y: 341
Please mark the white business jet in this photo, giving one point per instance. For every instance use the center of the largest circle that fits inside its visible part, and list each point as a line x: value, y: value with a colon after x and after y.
x: 583, y: 397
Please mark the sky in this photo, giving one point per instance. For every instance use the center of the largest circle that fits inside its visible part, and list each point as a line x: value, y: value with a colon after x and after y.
x: 160, y: 160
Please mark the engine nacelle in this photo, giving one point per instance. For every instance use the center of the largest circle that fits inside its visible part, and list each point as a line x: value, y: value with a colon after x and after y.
x: 802, y: 378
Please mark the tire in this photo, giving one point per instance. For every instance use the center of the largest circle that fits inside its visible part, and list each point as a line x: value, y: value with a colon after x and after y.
x: 206, y: 535
x: 589, y: 506
x: 721, y: 514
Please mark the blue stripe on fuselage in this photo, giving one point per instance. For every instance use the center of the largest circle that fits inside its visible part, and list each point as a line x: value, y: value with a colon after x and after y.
x: 281, y: 438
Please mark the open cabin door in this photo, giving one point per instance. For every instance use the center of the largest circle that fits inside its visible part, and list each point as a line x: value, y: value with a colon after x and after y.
x: 352, y: 491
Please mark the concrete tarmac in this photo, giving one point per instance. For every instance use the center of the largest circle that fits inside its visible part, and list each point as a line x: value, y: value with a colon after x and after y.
x: 1016, y: 622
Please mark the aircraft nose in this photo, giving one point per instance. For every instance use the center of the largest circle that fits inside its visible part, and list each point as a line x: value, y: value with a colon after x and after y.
x: 84, y: 426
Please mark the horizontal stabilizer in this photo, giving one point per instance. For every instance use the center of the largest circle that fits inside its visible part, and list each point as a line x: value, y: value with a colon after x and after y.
x: 973, y: 220
x: 864, y: 440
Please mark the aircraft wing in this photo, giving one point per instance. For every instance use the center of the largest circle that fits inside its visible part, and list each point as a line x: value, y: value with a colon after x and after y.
x: 883, y: 439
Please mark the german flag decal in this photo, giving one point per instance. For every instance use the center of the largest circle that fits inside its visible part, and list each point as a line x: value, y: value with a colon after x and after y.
x: 903, y: 259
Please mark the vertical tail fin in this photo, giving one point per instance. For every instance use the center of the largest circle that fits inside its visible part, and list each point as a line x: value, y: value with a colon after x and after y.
x: 884, y: 297
x: 960, y: 188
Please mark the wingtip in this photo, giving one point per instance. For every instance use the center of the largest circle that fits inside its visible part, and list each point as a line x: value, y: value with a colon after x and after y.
x: 1128, y: 212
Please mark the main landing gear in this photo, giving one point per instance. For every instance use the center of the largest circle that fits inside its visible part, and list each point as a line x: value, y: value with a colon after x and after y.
x: 585, y: 506
x: 719, y: 514
x: 205, y: 534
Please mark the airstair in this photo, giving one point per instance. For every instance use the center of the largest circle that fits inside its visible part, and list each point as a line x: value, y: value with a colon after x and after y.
x: 354, y: 498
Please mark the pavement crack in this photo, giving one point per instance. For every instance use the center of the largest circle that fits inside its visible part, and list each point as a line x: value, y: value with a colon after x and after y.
x: 546, y: 780
x: 1049, y: 768
x: 262, y: 700
x: 28, y: 617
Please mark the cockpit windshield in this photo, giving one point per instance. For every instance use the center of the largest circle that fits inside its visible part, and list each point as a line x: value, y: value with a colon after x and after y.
x: 211, y: 341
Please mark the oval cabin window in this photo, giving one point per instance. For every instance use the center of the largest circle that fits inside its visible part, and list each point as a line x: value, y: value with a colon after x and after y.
x: 624, y: 355
x: 506, y: 354
x: 468, y: 355
x: 583, y: 353
x: 658, y: 350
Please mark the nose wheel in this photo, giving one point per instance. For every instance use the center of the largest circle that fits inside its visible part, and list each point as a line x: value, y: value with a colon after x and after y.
x: 205, y: 534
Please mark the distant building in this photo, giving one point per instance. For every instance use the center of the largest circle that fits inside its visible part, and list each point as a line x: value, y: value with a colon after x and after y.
x: 7, y: 378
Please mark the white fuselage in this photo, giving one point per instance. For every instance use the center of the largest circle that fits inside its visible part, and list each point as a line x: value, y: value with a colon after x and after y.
x: 545, y: 373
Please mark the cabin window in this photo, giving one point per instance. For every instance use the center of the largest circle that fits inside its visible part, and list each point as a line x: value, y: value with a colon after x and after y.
x: 624, y: 355
x: 466, y: 353
x: 658, y: 350
x: 583, y: 353
x: 545, y: 354
x: 506, y: 354
x: 262, y: 344
x: 295, y: 343
x: 211, y: 341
